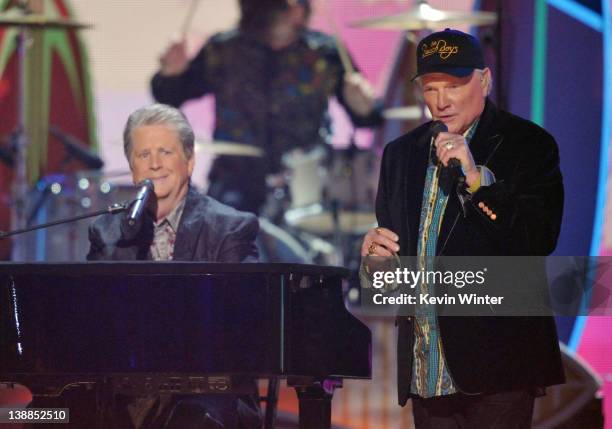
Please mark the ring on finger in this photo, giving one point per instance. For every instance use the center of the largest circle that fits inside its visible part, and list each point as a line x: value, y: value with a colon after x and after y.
x: 449, y: 145
x: 371, y: 248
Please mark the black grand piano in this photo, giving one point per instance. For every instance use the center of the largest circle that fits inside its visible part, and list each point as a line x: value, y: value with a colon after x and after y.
x: 180, y: 327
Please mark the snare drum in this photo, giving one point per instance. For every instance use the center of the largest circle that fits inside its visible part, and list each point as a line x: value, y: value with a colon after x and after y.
x: 306, y: 175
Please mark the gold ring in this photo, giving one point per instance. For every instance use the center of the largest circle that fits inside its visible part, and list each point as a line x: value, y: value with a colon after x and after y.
x: 378, y: 230
x: 371, y: 249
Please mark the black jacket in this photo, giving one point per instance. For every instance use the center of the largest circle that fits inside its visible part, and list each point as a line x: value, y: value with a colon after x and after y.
x: 484, y: 354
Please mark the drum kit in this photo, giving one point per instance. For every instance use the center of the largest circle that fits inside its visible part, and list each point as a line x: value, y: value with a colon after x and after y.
x: 332, y: 194
x: 310, y: 202
x: 326, y: 196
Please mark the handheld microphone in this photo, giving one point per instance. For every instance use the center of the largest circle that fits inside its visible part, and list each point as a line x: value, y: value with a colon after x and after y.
x: 453, y: 168
x: 140, y: 203
x: 438, y: 127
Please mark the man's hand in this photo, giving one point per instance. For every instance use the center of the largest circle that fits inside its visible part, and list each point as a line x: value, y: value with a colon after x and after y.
x: 449, y: 146
x: 174, y: 60
x: 380, y: 242
x: 358, y: 94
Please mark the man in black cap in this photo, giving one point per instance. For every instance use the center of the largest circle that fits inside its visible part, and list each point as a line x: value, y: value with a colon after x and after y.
x: 272, y: 79
x: 469, y: 372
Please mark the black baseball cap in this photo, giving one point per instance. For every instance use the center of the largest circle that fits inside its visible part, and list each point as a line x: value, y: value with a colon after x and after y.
x: 450, y: 51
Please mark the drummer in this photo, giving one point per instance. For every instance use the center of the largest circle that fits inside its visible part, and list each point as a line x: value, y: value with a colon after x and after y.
x: 272, y: 79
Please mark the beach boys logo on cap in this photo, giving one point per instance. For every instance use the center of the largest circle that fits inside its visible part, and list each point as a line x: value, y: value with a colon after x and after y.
x: 449, y: 51
x: 440, y: 47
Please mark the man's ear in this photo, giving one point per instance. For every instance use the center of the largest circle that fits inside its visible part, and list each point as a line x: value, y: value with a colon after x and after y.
x: 190, y: 164
x: 131, y: 169
x: 486, y: 82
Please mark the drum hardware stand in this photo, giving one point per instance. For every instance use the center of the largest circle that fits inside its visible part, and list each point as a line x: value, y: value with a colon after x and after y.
x: 44, y: 187
x: 40, y: 201
x: 7, y: 151
x: 342, y: 240
x: 339, y: 239
x: 20, y: 183
x: 74, y: 151
x: 351, y: 153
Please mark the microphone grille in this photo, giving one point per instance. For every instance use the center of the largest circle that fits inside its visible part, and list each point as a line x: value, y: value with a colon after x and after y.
x: 148, y: 183
x: 438, y: 127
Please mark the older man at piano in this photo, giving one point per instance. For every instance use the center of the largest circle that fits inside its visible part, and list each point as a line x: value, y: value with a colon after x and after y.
x: 179, y: 224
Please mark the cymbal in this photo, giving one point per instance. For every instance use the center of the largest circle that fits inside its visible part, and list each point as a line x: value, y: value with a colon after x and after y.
x: 14, y: 18
x: 403, y: 113
x: 219, y: 147
x: 425, y: 17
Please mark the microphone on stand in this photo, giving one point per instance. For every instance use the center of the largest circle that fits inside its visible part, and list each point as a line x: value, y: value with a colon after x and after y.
x: 140, y: 203
x: 77, y: 149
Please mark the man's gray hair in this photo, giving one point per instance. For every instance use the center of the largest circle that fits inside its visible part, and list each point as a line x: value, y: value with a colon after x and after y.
x: 159, y: 114
x: 419, y: 80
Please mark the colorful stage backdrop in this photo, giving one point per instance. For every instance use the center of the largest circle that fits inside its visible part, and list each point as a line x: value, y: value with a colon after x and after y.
x: 556, y: 68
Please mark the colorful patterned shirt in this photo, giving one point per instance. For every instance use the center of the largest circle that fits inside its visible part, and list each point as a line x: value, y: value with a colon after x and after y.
x: 430, y: 375
x: 164, y: 234
x: 273, y: 99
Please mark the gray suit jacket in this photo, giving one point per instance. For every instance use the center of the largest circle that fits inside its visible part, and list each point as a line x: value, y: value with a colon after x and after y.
x: 208, y: 231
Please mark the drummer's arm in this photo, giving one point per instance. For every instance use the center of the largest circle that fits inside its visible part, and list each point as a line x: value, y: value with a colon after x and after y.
x: 175, y: 85
x: 356, y: 94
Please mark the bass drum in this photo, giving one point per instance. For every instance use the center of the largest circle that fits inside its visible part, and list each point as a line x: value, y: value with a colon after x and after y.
x: 277, y: 245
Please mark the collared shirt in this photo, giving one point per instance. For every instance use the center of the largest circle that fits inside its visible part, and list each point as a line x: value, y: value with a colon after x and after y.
x: 164, y: 234
x: 430, y: 374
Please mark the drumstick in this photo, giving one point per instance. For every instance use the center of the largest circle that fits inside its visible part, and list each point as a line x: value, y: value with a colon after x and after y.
x: 189, y: 18
x: 344, y: 56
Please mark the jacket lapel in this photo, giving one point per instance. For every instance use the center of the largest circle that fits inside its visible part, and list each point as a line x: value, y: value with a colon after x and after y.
x: 416, y: 172
x: 189, y: 228
x: 483, y: 146
x: 485, y: 141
